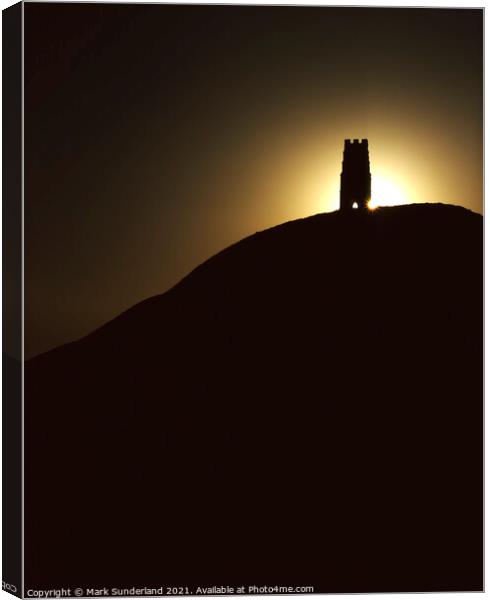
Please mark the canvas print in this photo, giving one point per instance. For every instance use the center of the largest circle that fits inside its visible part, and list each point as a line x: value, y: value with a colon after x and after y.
x: 243, y: 307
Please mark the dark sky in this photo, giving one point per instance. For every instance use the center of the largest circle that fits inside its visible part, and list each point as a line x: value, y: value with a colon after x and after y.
x: 156, y: 135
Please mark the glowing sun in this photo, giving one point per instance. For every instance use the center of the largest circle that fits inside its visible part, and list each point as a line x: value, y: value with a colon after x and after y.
x: 385, y: 192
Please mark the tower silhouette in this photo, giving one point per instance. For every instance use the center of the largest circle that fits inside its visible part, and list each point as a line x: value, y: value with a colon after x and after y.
x: 355, y: 179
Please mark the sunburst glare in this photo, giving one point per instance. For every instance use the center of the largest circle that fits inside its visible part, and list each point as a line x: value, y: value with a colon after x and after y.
x: 386, y: 192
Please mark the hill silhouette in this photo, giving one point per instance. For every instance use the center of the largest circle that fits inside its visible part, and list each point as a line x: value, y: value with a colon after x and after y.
x: 304, y: 408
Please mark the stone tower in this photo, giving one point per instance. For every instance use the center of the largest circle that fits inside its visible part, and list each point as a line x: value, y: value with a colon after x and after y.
x: 355, y: 179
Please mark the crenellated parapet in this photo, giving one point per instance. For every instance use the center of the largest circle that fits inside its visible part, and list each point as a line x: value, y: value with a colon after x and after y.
x: 362, y: 142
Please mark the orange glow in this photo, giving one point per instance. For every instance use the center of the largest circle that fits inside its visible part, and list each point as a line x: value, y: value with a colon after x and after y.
x: 386, y: 192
